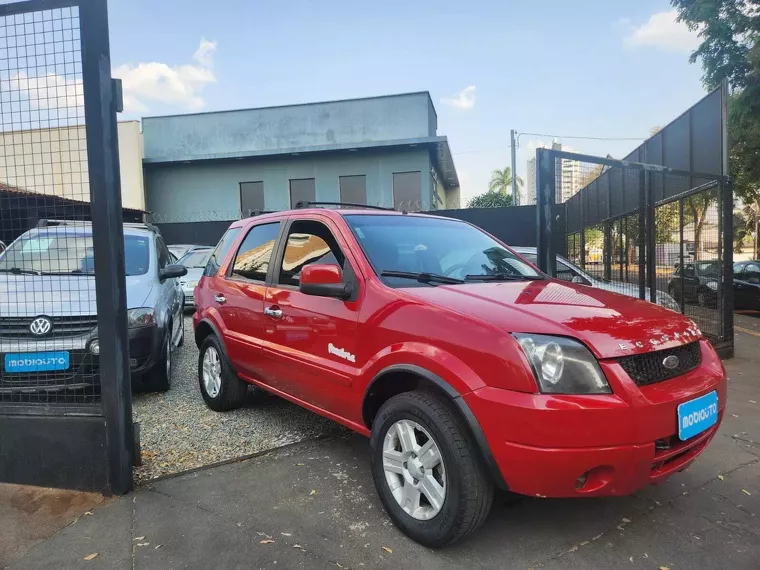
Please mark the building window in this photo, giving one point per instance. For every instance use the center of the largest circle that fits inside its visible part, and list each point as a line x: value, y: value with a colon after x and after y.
x: 251, y: 197
x: 353, y: 189
x: 302, y: 190
x: 407, y: 191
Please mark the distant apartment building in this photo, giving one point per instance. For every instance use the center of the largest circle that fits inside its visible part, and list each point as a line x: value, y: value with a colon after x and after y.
x: 530, y: 185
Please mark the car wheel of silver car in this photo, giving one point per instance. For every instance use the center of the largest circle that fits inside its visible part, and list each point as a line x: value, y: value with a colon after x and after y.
x: 427, y: 469
x: 702, y: 299
x: 220, y: 386
x: 181, y: 340
x: 160, y: 378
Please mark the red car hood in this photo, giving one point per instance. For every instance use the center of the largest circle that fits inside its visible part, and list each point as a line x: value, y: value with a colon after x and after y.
x: 611, y: 325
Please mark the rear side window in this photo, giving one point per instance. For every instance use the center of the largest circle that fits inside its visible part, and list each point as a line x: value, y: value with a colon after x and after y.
x: 255, y: 253
x: 220, y: 252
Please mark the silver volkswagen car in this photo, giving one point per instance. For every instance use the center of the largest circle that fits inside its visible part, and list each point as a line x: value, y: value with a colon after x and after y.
x: 48, y: 315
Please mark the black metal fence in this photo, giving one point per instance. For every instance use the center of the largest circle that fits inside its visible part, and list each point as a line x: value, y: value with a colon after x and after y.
x: 64, y: 388
x: 648, y: 231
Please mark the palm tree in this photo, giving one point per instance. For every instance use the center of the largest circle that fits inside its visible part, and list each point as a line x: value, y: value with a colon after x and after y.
x: 501, y: 181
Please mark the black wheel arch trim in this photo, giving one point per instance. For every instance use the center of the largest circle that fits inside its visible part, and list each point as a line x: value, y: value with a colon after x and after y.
x: 219, y: 337
x: 456, y: 398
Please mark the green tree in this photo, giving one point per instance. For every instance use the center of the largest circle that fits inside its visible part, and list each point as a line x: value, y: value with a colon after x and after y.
x: 730, y: 49
x: 491, y: 199
x: 501, y: 181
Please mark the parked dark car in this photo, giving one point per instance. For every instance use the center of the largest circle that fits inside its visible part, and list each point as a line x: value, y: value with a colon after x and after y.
x: 696, y: 282
x: 747, y: 285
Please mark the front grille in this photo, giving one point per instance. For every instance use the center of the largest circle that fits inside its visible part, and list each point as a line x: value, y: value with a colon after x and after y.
x: 18, y: 327
x: 645, y: 369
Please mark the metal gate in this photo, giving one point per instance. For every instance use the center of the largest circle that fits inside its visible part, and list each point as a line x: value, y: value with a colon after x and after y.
x: 65, y: 404
x: 649, y: 231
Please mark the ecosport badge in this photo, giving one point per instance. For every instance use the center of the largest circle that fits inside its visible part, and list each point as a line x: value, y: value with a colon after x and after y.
x: 340, y: 352
x: 690, y: 334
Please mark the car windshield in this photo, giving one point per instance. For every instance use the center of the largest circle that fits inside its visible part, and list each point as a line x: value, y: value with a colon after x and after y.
x: 434, y: 246
x: 65, y: 253
x: 198, y: 258
x: 708, y: 268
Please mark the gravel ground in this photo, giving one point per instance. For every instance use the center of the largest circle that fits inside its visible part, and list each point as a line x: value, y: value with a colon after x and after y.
x: 178, y: 431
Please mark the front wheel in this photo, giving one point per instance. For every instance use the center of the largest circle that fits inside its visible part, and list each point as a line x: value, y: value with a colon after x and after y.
x: 160, y: 378
x: 221, y: 388
x: 702, y: 300
x: 427, y: 470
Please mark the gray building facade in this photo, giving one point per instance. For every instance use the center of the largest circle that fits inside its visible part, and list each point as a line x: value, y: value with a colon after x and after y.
x: 223, y: 165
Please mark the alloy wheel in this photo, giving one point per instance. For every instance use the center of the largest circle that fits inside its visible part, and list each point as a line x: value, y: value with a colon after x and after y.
x: 414, y: 469
x: 212, y: 372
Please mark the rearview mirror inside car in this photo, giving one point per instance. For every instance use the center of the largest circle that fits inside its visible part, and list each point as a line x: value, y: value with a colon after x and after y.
x: 324, y: 280
x: 172, y: 272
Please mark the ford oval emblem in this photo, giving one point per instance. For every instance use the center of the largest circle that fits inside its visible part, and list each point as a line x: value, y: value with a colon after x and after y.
x: 671, y: 362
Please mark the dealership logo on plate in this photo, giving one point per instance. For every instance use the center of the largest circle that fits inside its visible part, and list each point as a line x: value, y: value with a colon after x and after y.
x: 41, y: 326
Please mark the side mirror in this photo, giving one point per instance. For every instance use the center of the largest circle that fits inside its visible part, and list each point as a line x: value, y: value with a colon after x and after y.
x: 324, y: 280
x: 172, y: 272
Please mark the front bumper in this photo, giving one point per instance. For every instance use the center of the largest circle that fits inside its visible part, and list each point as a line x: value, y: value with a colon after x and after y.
x: 84, y: 369
x: 572, y: 446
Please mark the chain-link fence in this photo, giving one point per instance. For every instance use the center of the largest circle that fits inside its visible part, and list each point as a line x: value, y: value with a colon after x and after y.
x: 648, y: 232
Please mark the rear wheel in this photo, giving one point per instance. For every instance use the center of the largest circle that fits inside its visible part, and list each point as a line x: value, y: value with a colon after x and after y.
x: 221, y: 388
x: 427, y: 470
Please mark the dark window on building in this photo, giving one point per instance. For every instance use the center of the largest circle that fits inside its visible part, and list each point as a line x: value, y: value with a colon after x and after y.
x: 353, y: 189
x: 251, y: 197
x: 407, y: 191
x: 302, y: 190
x: 255, y: 253
x: 308, y: 242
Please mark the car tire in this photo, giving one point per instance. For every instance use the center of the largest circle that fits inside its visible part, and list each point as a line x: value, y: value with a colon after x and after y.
x: 702, y: 298
x: 181, y: 340
x: 220, y: 386
x: 160, y: 378
x: 461, y: 497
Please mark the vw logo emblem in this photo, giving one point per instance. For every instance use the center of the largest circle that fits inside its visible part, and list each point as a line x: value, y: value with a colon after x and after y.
x: 671, y: 362
x: 41, y: 326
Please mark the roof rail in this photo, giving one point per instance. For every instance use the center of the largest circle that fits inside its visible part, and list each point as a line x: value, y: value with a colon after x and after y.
x: 48, y: 223
x: 306, y: 204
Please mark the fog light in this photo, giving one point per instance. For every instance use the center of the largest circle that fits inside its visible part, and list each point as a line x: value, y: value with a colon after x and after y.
x: 95, y: 347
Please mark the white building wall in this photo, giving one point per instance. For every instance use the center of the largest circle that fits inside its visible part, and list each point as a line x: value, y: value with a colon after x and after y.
x: 54, y: 162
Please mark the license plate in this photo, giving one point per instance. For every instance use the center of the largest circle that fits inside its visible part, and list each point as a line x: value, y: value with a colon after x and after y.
x: 695, y: 416
x: 37, y: 362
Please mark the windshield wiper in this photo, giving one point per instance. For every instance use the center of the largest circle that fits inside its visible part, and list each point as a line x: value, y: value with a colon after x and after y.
x: 423, y: 277
x: 19, y: 271
x: 502, y: 277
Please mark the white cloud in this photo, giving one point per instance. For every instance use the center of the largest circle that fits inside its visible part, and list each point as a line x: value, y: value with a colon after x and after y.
x: 464, y: 100
x: 664, y: 32
x: 180, y: 85
x: 49, y: 91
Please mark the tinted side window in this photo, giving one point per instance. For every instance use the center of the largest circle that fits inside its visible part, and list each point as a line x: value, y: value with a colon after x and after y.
x: 308, y: 242
x: 752, y: 272
x: 255, y: 253
x: 565, y: 272
x: 220, y: 252
x: 164, y: 257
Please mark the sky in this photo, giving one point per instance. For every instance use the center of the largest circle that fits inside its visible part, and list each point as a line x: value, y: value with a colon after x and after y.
x: 599, y: 68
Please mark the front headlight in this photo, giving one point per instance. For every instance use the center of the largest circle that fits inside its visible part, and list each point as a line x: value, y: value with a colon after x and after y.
x: 142, y: 317
x: 562, y: 365
x: 712, y: 285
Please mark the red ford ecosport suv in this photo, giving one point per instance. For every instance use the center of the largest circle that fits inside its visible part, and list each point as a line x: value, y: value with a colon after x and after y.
x: 466, y: 366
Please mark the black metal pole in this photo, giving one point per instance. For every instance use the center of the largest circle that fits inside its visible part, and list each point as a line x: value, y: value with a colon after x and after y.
x: 642, y: 236
x: 727, y: 198
x: 608, y: 248
x: 622, y: 251
x: 108, y: 237
x: 651, y: 239
x: 545, y: 191
x: 680, y: 282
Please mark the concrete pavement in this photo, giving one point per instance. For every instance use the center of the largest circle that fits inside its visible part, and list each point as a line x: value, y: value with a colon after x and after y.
x: 313, y: 505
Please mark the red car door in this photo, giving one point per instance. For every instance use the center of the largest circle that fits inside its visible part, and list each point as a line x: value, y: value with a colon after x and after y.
x: 311, y: 340
x: 240, y: 298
